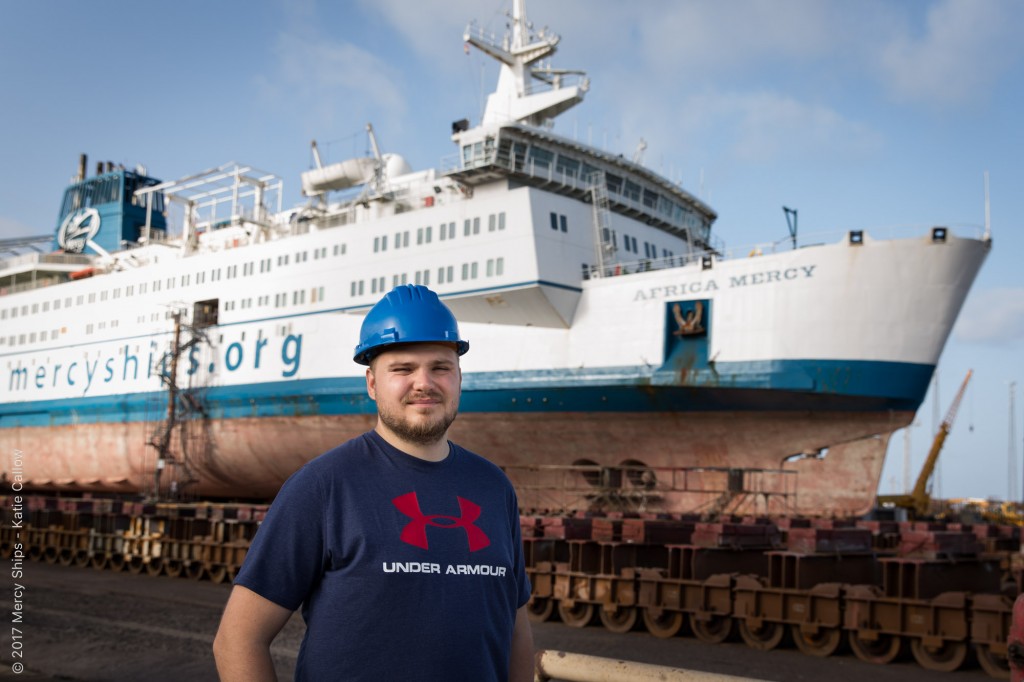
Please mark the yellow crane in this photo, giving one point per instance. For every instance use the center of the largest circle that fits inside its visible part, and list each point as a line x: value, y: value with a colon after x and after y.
x: 919, y: 500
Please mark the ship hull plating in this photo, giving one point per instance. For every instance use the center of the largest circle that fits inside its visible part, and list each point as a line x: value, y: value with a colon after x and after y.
x: 251, y: 457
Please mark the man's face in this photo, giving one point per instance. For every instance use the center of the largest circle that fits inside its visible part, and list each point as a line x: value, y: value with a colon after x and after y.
x: 417, y: 390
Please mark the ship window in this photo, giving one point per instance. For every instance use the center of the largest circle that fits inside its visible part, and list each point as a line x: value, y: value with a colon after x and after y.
x: 88, y: 329
x: 465, y: 271
x: 476, y: 226
x: 540, y: 158
x: 394, y: 281
x: 632, y: 191
x: 201, y: 277
x: 562, y: 223
x: 500, y: 269
x: 35, y: 308
x: 3, y: 314
x: 567, y: 165
x: 554, y: 221
x: 490, y: 267
x: 466, y: 227
x: 103, y: 296
x: 92, y: 297
x: 650, y: 198
x: 398, y: 240
x: 46, y: 306
x: 32, y: 337
x: 491, y: 222
x: 666, y: 206
x: 56, y: 304
x: 440, y: 275
x: 472, y: 271
x: 157, y: 285
x: 501, y: 221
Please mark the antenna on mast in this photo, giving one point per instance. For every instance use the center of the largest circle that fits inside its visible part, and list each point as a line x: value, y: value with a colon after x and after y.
x: 791, y: 223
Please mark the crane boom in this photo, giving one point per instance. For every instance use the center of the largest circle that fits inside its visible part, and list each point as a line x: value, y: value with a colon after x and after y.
x: 921, y: 498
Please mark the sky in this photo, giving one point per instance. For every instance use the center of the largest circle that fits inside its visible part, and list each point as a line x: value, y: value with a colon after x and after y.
x: 874, y: 115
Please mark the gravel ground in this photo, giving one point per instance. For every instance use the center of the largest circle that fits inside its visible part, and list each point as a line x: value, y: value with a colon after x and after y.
x: 88, y: 625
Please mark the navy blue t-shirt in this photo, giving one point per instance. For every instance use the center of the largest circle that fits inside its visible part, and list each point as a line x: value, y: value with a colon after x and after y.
x: 405, y: 569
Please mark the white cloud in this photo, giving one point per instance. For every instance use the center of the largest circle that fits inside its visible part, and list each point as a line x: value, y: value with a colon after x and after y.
x: 767, y: 126
x: 323, y: 80
x: 993, y: 316
x: 433, y: 27
x: 712, y: 36
x: 964, y: 47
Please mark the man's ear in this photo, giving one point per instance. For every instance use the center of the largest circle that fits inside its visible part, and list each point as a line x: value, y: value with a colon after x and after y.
x: 371, y: 384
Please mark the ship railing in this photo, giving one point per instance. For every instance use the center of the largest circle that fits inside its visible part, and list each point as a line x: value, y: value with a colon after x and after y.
x: 557, y: 81
x: 37, y: 283
x: 52, y: 258
x: 640, y: 488
x: 550, y: 175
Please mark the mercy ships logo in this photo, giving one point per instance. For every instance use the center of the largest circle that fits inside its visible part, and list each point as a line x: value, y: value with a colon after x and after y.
x: 77, y: 229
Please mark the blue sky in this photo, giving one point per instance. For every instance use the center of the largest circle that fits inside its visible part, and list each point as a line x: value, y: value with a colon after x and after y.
x: 870, y: 115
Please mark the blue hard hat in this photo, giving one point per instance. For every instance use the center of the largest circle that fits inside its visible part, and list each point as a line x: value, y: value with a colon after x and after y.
x: 409, y: 313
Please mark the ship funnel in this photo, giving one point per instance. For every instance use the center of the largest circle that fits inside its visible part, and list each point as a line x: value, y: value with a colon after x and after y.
x: 83, y: 160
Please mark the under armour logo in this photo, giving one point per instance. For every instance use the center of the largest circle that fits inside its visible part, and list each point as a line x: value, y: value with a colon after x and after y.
x: 415, y: 532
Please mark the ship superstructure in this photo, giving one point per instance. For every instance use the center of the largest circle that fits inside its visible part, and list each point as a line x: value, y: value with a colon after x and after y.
x: 614, y: 347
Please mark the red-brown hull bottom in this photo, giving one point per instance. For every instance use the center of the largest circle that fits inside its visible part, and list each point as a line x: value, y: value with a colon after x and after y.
x: 250, y: 458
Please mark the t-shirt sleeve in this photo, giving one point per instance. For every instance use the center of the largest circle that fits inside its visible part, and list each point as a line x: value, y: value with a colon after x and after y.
x: 522, y: 580
x: 286, y: 558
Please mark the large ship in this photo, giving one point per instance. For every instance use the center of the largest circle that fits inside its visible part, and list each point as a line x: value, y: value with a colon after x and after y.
x: 618, y: 356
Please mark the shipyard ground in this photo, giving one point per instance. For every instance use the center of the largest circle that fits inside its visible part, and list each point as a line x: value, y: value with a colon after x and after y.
x: 83, y: 624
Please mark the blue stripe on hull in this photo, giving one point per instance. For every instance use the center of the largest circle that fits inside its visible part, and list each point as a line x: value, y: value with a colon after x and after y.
x: 754, y: 386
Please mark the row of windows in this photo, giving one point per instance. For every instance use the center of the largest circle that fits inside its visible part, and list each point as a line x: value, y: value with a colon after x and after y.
x: 631, y: 244
x: 445, y: 231
x: 32, y: 337
x: 229, y: 272
x: 494, y: 267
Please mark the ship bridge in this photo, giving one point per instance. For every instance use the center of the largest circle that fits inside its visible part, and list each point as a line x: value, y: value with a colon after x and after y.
x: 537, y: 158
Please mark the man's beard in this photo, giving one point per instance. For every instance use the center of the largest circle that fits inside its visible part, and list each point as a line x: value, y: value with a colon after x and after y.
x: 426, y: 433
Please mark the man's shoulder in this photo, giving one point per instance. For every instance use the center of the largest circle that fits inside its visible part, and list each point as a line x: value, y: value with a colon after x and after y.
x: 352, y: 453
x: 480, y: 464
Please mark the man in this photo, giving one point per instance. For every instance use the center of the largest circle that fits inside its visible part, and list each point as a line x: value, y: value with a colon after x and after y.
x: 402, y: 548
